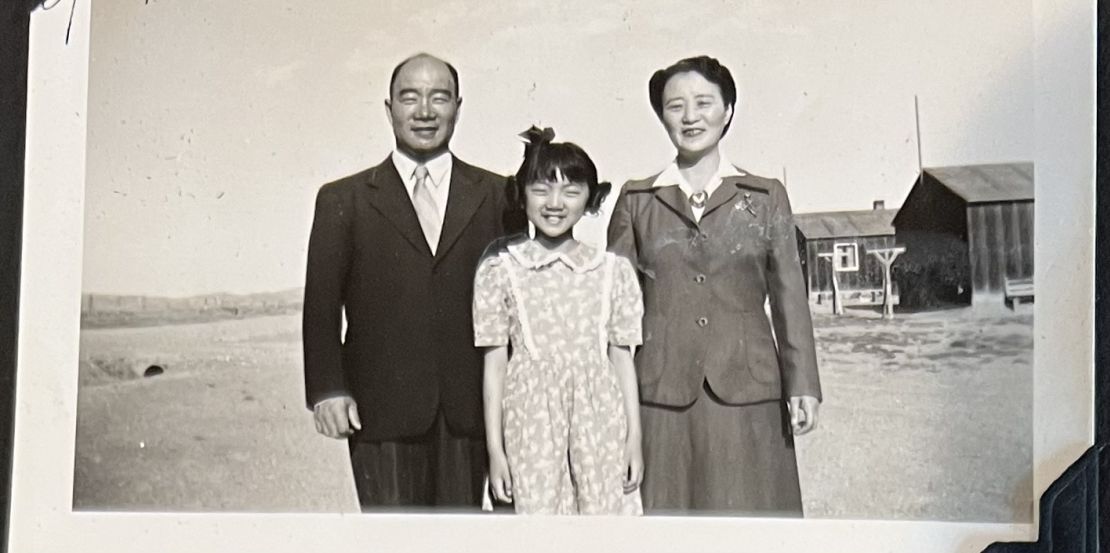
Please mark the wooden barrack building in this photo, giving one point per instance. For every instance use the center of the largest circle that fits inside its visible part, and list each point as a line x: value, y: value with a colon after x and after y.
x: 973, y: 223
x: 841, y: 240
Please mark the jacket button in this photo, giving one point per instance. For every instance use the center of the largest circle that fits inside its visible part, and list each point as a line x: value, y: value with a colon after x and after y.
x: 704, y: 236
x: 702, y: 321
x: 699, y: 279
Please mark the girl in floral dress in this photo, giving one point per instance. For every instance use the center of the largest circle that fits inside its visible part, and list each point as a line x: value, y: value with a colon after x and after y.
x: 562, y: 411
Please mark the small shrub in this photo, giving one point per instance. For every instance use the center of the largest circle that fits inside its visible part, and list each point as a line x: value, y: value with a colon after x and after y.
x: 933, y: 272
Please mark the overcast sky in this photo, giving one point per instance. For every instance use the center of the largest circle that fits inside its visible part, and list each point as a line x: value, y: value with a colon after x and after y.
x: 213, y: 123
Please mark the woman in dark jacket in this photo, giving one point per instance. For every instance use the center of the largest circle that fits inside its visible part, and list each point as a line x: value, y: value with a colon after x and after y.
x: 723, y: 395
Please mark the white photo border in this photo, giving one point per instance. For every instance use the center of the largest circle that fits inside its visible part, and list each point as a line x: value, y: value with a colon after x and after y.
x: 41, y: 512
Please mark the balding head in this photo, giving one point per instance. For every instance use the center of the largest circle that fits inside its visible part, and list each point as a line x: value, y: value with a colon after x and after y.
x: 424, y: 58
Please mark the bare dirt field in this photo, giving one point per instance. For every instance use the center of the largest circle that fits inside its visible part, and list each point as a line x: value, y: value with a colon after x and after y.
x: 926, y: 417
x: 225, y: 427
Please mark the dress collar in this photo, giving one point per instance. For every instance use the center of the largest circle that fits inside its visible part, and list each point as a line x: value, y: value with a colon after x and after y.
x: 531, y: 255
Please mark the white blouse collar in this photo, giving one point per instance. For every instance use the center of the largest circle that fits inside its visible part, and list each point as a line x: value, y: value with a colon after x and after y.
x: 670, y: 176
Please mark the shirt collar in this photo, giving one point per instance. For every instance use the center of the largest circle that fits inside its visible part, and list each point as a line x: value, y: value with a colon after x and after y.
x: 437, y: 167
x: 531, y: 255
x: 671, y: 176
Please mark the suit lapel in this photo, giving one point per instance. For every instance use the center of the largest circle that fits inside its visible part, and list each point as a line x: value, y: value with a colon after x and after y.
x: 391, y: 199
x: 463, y: 199
x: 673, y: 197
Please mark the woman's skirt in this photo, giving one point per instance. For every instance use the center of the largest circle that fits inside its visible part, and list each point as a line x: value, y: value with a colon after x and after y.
x: 720, y: 458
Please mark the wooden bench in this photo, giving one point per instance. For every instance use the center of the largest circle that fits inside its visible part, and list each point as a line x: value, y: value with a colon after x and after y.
x: 1017, y: 290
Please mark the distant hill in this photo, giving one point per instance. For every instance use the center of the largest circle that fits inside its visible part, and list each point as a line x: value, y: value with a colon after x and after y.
x: 104, y: 310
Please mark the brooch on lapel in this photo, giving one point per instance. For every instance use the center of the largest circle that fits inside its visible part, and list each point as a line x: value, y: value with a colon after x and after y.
x: 746, y: 204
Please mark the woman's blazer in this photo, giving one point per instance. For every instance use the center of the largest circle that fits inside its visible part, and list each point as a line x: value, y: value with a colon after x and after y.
x: 705, y: 286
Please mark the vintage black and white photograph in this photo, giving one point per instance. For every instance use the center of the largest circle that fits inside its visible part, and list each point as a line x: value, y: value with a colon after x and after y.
x: 621, y: 259
x: 678, y: 264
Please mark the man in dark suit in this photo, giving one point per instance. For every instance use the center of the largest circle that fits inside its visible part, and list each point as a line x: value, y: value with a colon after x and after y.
x: 395, y: 248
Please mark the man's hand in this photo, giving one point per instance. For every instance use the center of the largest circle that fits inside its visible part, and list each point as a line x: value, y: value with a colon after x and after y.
x: 336, y: 417
x: 803, y: 414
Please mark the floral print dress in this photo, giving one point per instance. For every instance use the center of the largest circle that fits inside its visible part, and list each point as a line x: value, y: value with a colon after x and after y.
x: 563, y: 412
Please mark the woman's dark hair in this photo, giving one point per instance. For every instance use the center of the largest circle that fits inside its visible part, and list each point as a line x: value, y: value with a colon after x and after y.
x: 705, y: 66
x: 542, y: 158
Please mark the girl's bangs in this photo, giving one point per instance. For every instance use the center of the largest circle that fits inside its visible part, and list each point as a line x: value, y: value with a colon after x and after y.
x: 574, y: 168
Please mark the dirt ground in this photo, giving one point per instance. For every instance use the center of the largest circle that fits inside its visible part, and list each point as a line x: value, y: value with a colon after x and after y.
x: 926, y: 417
x: 225, y: 428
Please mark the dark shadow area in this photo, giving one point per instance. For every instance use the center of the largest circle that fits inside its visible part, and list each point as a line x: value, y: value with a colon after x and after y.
x: 1102, y: 281
x: 938, y: 306
x: 14, y: 34
x: 1069, y: 512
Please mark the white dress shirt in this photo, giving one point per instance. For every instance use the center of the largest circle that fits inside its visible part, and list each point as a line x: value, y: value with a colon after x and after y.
x: 672, y: 176
x: 439, y: 173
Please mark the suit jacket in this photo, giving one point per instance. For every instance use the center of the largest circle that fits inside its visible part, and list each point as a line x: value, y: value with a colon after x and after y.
x: 409, y: 347
x: 705, y: 285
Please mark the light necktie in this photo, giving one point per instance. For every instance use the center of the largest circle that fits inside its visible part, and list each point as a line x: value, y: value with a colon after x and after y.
x: 425, y: 204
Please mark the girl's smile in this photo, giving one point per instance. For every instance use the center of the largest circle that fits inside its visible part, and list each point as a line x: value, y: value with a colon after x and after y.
x: 553, y: 218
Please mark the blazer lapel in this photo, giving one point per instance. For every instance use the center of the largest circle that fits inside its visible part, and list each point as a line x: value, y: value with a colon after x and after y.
x: 391, y: 199
x: 721, y: 196
x: 463, y: 199
x: 673, y: 197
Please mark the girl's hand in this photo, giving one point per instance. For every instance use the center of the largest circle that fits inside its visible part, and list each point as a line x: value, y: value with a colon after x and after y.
x: 499, y: 478
x: 633, y: 465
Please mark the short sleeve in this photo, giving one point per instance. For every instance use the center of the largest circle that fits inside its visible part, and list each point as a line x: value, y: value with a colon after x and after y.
x: 626, y: 312
x: 490, y: 311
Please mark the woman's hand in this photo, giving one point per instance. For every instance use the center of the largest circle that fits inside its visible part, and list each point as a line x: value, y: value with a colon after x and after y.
x: 499, y: 478
x: 633, y: 464
x: 803, y: 414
